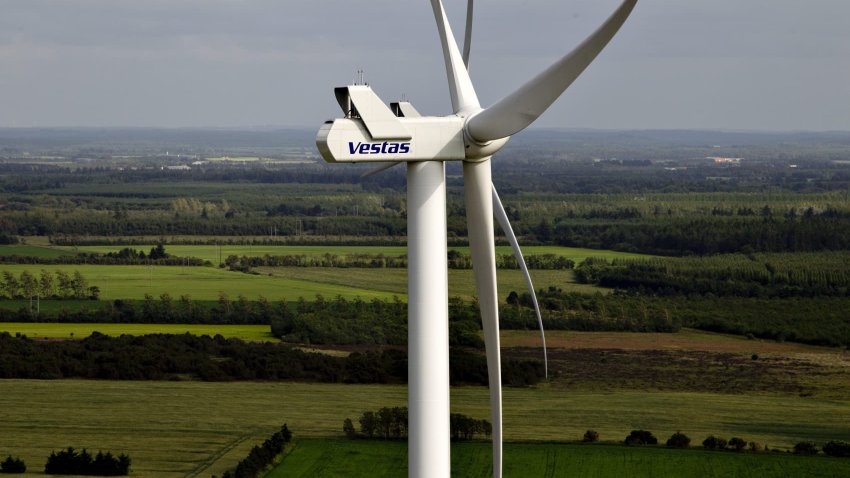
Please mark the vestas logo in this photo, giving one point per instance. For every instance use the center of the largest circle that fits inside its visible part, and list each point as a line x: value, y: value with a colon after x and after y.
x: 378, y: 148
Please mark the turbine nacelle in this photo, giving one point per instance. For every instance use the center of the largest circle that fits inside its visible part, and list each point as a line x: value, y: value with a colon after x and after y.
x: 373, y: 132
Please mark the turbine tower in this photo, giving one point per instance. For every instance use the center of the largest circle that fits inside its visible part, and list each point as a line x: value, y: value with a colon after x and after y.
x: 373, y: 132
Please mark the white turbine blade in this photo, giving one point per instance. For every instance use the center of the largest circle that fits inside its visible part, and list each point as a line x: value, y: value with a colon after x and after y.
x: 462, y: 92
x: 479, y: 217
x: 467, y: 37
x: 502, y: 218
x: 519, y: 109
x: 380, y: 169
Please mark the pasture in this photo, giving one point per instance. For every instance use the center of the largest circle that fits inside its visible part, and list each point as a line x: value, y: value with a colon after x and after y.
x: 282, y: 283
x: 40, y: 330
x: 33, y: 251
x: 201, y: 283
x: 188, y: 429
x: 213, y: 252
x: 461, y: 281
x: 352, y: 459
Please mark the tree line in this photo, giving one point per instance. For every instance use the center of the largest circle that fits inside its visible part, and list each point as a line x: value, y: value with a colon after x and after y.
x: 833, y: 448
x: 815, y: 320
x: 706, y: 235
x: 743, y: 275
x: 47, y: 285
x: 663, y: 235
x: 392, y: 424
x: 164, y: 309
x: 341, y: 321
x: 455, y: 260
x: 103, y: 260
x: 260, y: 457
x: 357, y: 322
x: 72, y: 462
x: 812, y: 320
x: 170, y: 357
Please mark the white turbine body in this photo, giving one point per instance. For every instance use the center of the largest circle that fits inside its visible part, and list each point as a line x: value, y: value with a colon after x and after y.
x: 373, y: 132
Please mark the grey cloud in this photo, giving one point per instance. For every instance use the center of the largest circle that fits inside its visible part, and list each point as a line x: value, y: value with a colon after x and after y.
x: 776, y: 64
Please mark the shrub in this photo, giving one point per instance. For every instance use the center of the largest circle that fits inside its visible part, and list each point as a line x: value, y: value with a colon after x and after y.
x: 590, y: 436
x: 348, y: 428
x: 805, y: 448
x: 13, y: 465
x: 839, y: 449
x: 738, y: 444
x: 641, y: 437
x: 714, y: 443
x: 678, y: 440
x: 755, y: 446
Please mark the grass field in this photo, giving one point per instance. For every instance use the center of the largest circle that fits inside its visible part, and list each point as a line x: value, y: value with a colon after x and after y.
x: 187, y: 429
x: 349, y: 458
x: 252, y: 333
x: 201, y: 283
x: 461, y: 281
x: 290, y: 283
x: 212, y: 252
x: 34, y: 251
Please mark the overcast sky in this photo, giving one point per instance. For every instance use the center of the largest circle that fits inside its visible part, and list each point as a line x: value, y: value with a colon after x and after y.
x: 720, y: 64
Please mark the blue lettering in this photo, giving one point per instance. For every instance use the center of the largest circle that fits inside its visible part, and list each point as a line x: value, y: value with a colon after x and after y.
x: 378, y: 148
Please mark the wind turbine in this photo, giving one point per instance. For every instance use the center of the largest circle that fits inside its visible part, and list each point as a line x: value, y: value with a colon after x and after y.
x: 373, y: 132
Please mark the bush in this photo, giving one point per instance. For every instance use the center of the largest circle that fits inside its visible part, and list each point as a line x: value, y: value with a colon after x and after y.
x: 13, y: 465
x: 348, y: 428
x: 738, y: 444
x: 590, y: 436
x: 678, y: 440
x: 714, y: 443
x: 755, y: 446
x: 839, y: 449
x: 640, y: 437
x: 805, y: 448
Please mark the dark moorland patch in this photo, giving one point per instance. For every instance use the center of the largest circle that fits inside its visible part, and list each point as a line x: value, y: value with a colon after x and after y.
x: 688, y: 370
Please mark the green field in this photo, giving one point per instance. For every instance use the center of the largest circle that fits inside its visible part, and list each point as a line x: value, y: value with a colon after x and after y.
x: 350, y: 458
x: 461, y: 281
x: 33, y: 251
x: 201, y: 283
x: 212, y: 252
x: 179, y: 429
x: 251, y: 333
x: 290, y: 283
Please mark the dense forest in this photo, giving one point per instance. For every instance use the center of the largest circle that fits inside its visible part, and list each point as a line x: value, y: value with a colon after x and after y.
x: 180, y: 357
